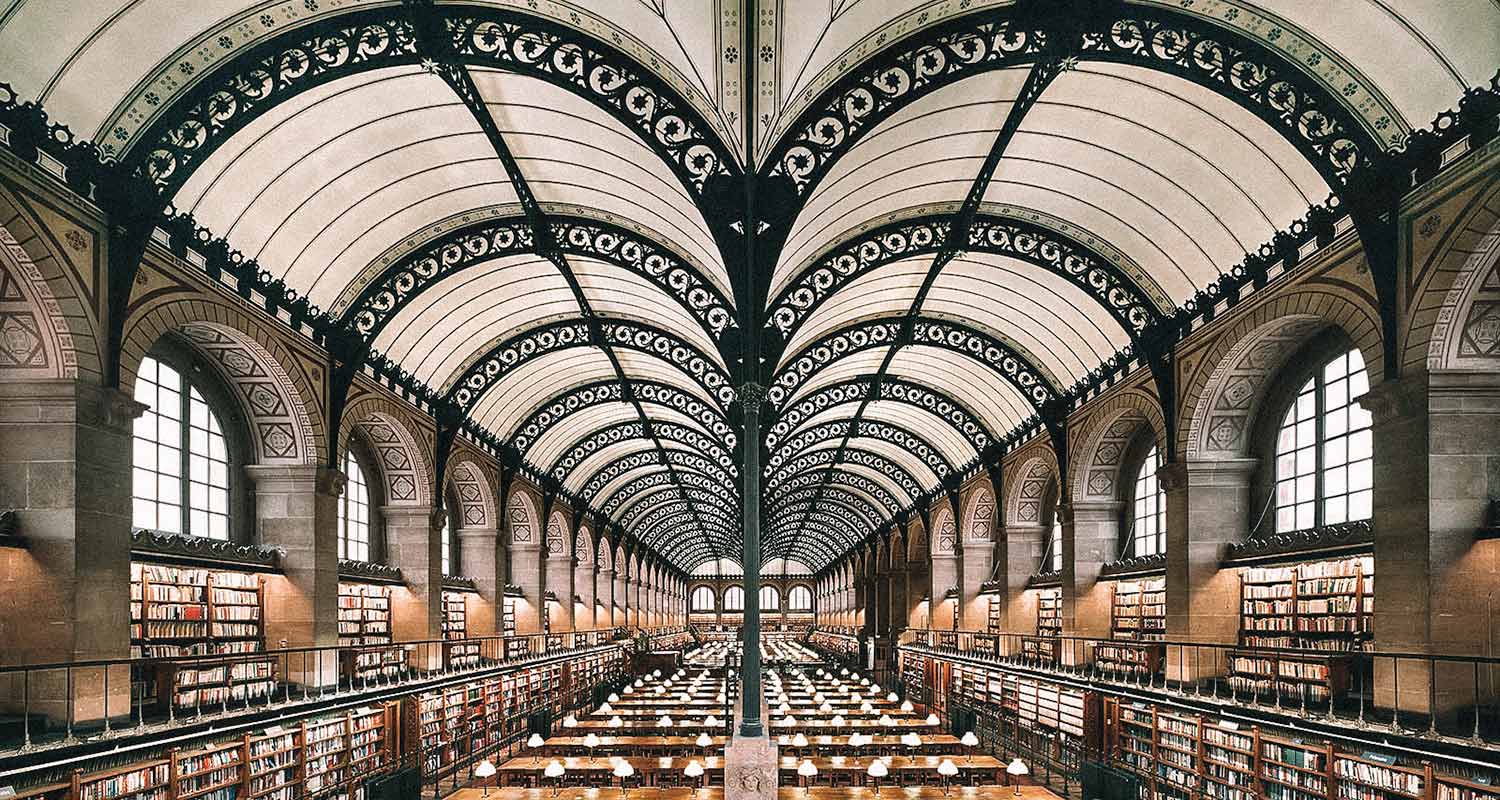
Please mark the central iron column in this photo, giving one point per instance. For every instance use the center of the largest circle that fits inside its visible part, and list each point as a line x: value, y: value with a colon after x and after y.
x: 751, y: 395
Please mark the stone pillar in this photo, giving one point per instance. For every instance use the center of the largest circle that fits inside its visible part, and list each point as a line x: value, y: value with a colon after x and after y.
x: 526, y: 572
x: 621, y: 605
x: 1020, y: 551
x: 896, y: 608
x: 560, y: 584
x: 296, y: 509
x: 413, y: 541
x: 1090, y: 539
x: 65, y: 457
x: 918, y: 587
x: 1436, y: 441
x: 584, y: 586
x: 945, y: 571
x: 1208, y: 508
x: 976, y: 568
x: 482, y: 559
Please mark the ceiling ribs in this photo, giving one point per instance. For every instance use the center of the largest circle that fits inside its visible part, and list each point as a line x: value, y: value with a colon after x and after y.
x: 1037, y: 80
x: 439, y: 58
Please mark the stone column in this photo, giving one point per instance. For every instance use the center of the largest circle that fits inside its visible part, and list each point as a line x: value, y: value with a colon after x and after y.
x: 1020, y: 551
x: 945, y: 571
x: 976, y: 570
x: 482, y: 559
x: 1208, y: 508
x: 560, y: 584
x: 918, y: 586
x: 1436, y: 441
x: 526, y: 572
x: 413, y: 545
x: 896, y: 607
x: 65, y: 458
x: 621, y: 608
x: 583, y: 583
x: 1090, y: 539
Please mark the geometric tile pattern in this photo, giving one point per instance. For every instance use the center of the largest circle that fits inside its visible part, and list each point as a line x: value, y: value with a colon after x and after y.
x: 261, y: 390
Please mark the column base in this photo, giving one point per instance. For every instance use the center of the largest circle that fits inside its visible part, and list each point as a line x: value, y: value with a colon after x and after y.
x: 750, y: 769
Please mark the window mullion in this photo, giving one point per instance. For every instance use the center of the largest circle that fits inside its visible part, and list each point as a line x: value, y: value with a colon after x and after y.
x: 1319, y: 436
x: 184, y: 454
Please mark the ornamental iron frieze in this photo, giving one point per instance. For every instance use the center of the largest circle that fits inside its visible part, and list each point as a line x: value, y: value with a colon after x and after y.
x: 843, y: 498
x: 851, y: 480
x: 629, y: 93
x: 892, y: 389
x: 822, y: 458
x: 1000, y: 357
x: 870, y: 429
x: 668, y: 431
x: 887, y: 82
x: 653, y: 458
x: 176, y: 545
x: 591, y: 395
x: 523, y: 347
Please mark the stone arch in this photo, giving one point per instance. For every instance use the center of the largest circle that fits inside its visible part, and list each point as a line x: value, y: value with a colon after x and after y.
x: 603, y: 559
x: 46, y: 303
x: 916, y: 541
x: 622, y: 564
x: 1034, y: 475
x: 883, y: 555
x: 521, y: 518
x: 979, y: 515
x: 944, y: 531
x: 1455, y: 322
x: 1225, y: 392
x: 268, y: 381
x: 476, y: 500
x: 404, y: 472
x: 556, y: 540
x: 898, y: 548
x: 583, y: 546
x: 1102, y: 444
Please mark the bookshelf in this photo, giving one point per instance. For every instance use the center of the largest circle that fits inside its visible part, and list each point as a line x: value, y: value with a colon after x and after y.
x: 376, y: 662
x: 1138, y: 610
x: 274, y: 765
x: 1321, y: 608
x: 992, y: 613
x: 1040, y: 650
x: 1049, y: 612
x: 180, y: 612
x: 455, y: 615
x: 364, y: 614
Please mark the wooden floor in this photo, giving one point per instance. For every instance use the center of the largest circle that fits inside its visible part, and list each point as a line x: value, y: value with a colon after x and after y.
x: 785, y: 793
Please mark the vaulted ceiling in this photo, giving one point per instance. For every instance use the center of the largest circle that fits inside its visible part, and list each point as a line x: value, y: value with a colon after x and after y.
x: 539, y: 209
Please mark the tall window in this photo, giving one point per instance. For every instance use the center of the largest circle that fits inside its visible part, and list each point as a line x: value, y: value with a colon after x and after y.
x: 354, y: 511
x: 1323, y: 449
x: 180, y: 475
x: 734, y: 599
x: 1148, y: 534
x: 799, y: 599
x: 447, y: 544
x: 770, y: 598
x: 1052, y: 556
x: 703, y: 599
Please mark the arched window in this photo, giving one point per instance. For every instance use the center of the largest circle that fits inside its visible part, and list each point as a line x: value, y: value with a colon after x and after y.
x: 1323, y: 449
x: 180, y: 459
x: 734, y: 599
x: 354, y: 511
x: 703, y: 599
x: 1148, y: 520
x: 770, y: 599
x: 450, y: 537
x: 799, y: 599
x: 1052, y: 556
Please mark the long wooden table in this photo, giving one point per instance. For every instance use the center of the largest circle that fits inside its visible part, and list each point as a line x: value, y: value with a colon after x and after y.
x: 902, y: 769
x: 936, y: 744
x: 527, y: 770
x: 784, y: 793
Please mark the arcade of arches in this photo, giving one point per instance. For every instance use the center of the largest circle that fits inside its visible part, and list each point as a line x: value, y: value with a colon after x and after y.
x: 1129, y: 341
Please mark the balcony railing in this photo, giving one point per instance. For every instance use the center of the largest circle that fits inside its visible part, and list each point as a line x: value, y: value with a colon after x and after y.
x: 60, y: 704
x: 1454, y: 697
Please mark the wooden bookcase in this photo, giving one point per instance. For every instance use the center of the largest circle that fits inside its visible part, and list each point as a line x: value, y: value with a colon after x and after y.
x: 364, y: 614
x: 1049, y: 612
x: 215, y: 683
x: 1041, y: 650
x: 1138, y: 610
x: 455, y: 615
x: 1322, y: 608
x: 371, y: 663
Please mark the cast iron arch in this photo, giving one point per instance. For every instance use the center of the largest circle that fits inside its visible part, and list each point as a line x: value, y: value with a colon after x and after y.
x: 591, y: 395
x: 892, y: 389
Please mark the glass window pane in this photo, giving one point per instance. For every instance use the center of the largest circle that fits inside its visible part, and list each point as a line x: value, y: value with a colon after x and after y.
x: 1359, y: 505
x: 1335, y: 510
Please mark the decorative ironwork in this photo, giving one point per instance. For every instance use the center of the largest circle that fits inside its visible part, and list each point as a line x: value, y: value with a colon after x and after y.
x: 892, y: 389
x: 870, y: 429
x: 1135, y: 565
x: 197, y: 548
x: 1357, y: 535
x: 842, y: 497
x: 592, y: 395
x: 669, y: 431
x: 849, y: 479
x: 486, y: 240
x: 896, y: 473
x: 636, y: 461
x: 10, y: 529
x: 1000, y: 357
x: 460, y: 583
x: 523, y: 347
x: 369, y: 571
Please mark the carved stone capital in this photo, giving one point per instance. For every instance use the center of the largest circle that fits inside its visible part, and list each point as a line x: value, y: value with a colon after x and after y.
x: 1206, y: 472
x: 296, y: 478
x: 750, y: 394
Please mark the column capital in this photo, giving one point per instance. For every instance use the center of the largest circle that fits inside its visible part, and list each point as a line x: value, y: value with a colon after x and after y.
x: 478, y: 533
x: 1206, y: 472
x: 296, y: 478
x: 750, y: 394
x: 1089, y: 511
x: 430, y: 516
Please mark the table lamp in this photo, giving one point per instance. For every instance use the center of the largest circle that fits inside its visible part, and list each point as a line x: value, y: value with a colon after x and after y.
x: 616, y: 722
x: 825, y: 707
x: 482, y: 770
x: 783, y: 708
x: 932, y: 719
x: 808, y: 771
x: 885, y: 719
x: 628, y: 690
x: 866, y: 707
x: 704, y: 740
x: 534, y: 742
x: 711, y: 721
x: 819, y: 697
x: 906, y: 705
x: 665, y: 721
x: 947, y: 769
x: 911, y: 740
x: 970, y: 741
x: 604, y: 708
x: 837, y: 721
x: 570, y: 721
x: 555, y: 769
x: 854, y: 677
x: 877, y: 771
x: 591, y: 741
x: 613, y: 698
x: 874, y: 688
x: 799, y: 740
x: 856, y: 698
x: 1015, y: 769
x: 693, y: 769
x: 790, y: 720
x: 622, y: 771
